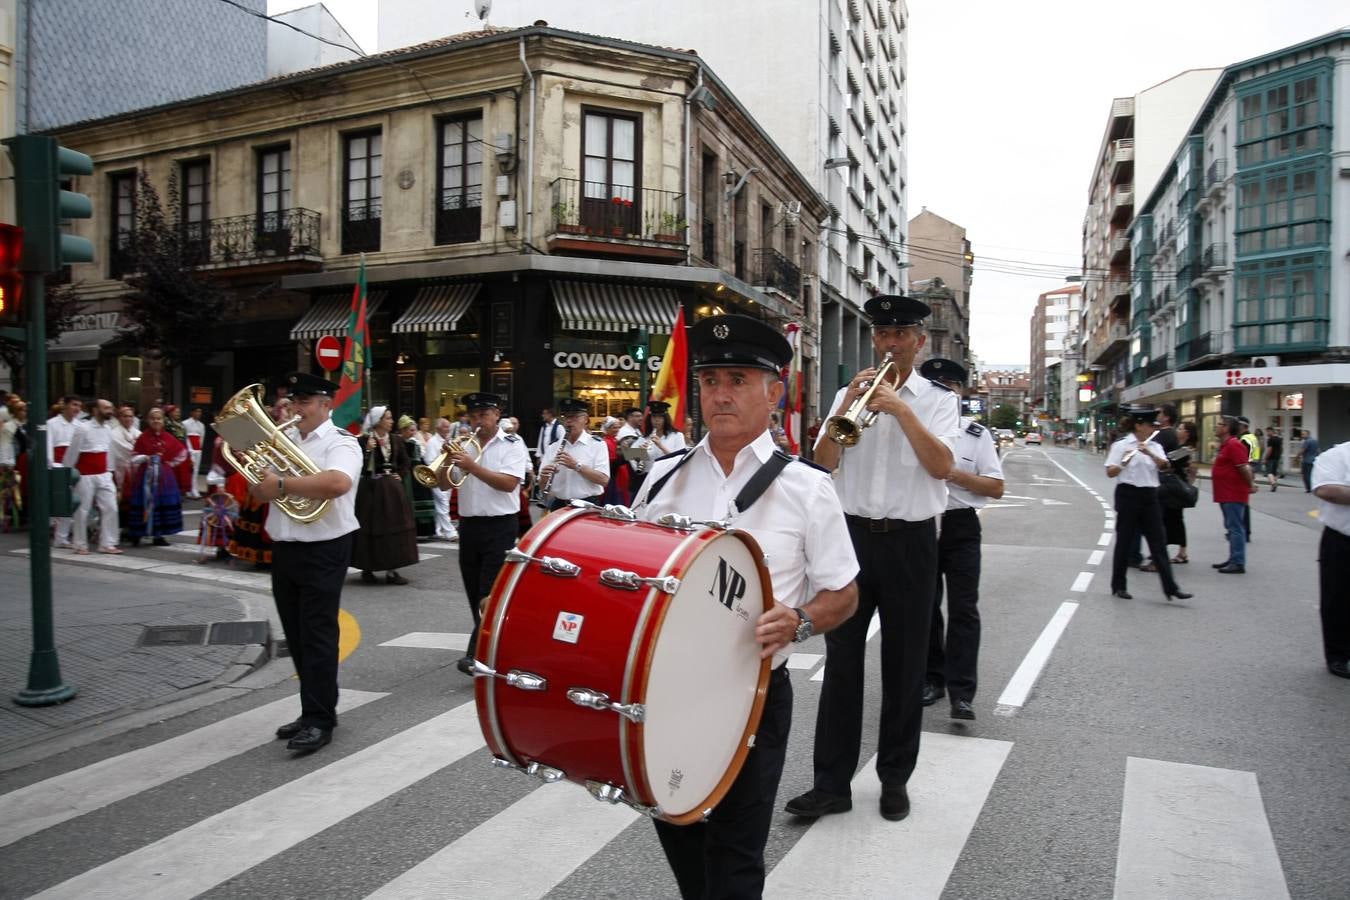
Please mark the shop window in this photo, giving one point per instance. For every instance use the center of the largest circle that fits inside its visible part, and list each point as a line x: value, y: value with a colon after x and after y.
x: 611, y: 167
x: 601, y: 373
x: 363, y: 192
x: 459, y: 192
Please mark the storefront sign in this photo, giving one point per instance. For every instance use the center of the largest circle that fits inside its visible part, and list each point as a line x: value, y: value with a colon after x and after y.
x: 1242, y: 379
x: 620, y: 362
x: 200, y: 394
x: 93, y: 321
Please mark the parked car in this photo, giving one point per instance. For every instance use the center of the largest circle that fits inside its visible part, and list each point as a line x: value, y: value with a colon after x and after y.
x: 1033, y: 437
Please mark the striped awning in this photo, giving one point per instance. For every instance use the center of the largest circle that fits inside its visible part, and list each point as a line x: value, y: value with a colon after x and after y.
x: 590, y: 306
x: 437, y: 307
x: 329, y: 315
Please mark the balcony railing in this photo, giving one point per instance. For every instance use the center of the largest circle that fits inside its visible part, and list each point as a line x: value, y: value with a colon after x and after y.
x: 1122, y: 203
x: 1200, y: 346
x: 601, y: 210
x: 1215, y: 175
x: 1215, y: 257
x: 773, y: 269
x: 1160, y: 366
x: 243, y: 239
x: 459, y: 218
x: 1120, y: 246
x: 361, y: 227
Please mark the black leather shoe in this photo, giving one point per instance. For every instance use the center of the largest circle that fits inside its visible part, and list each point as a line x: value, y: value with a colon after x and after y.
x: 368, y: 577
x: 310, y: 738
x: 1232, y: 569
x: 961, y: 709
x: 1179, y: 595
x: 395, y: 578
x: 894, y: 802
x: 932, y: 693
x: 290, y: 729
x: 1340, y: 668
x: 1220, y: 565
x: 1124, y: 595
x: 816, y: 803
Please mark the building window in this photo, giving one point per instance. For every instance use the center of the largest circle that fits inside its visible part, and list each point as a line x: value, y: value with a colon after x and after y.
x: 459, y: 193
x: 363, y: 192
x: 121, y: 250
x: 610, y: 164
x: 274, y: 198
x: 1284, y: 207
x: 196, y: 211
x: 1284, y: 115
x: 1283, y: 303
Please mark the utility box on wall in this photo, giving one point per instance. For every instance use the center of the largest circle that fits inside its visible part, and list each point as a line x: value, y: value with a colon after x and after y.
x: 506, y: 214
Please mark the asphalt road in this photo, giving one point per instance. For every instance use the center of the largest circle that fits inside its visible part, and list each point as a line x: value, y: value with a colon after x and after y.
x: 1153, y: 749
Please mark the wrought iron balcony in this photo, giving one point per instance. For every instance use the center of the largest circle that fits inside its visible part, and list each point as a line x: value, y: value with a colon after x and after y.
x: 774, y: 270
x: 261, y: 238
x: 1160, y: 366
x: 1215, y: 175
x: 361, y: 227
x: 1214, y: 257
x: 1200, y: 346
x: 595, y: 210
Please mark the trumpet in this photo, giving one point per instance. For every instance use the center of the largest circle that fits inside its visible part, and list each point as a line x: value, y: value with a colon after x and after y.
x: 846, y: 429
x: 426, y: 475
x: 262, y: 445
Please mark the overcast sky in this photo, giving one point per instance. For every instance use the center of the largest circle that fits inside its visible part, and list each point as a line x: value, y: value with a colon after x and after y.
x: 1007, y: 103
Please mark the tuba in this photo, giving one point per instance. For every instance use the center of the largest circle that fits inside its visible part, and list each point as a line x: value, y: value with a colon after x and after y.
x: 846, y: 429
x: 426, y: 475
x: 262, y: 444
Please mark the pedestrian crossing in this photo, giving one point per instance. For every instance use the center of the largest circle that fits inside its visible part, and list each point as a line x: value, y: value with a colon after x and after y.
x: 535, y: 839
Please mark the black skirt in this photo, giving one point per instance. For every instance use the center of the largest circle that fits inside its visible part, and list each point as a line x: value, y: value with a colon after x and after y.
x: 388, y: 538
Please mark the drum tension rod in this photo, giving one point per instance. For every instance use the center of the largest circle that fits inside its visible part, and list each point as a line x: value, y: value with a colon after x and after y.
x: 549, y: 565
x: 633, y: 712
x: 546, y: 774
x: 619, y: 512
x: 612, y: 793
x: 685, y: 523
x: 516, y: 678
x: 631, y: 581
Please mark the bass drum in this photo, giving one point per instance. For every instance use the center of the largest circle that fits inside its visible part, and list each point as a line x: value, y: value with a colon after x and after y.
x: 621, y: 655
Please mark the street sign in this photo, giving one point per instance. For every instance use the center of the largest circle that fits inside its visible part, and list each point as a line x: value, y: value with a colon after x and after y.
x: 328, y: 350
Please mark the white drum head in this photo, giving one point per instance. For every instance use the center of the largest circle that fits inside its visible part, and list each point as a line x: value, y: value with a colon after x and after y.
x: 703, y: 677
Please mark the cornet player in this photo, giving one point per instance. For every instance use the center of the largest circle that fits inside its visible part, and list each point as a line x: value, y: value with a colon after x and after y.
x: 891, y: 485
x: 489, y: 501
x: 309, y: 561
x: 579, y: 467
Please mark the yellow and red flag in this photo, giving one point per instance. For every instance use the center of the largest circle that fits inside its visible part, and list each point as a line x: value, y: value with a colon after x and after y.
x: 673, y: 379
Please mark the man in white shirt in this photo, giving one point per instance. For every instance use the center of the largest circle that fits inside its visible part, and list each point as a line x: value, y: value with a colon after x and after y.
x: 549, y: 433
x: 489, y: 503
x: 60, y: 429
x: 445, y: 526
x: 309, y: 560
x: 1136, y: 459
x: 194, y: 429
x: 893, y: 488
x: 1331, y: 485
x: 89, y: 452
x: 975, y: 479
x: 579, y: 466
x: 797, y: 521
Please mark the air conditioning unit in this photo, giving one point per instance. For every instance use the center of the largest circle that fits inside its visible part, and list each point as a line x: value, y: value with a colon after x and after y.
x: 1265, y: 362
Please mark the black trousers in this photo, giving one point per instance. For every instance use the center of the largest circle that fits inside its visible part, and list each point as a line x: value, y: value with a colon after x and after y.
x: 723, y: 858
x: 307, y: 586
x: 483, y: 542
x: 953, y: 657
x: 1333, y: 567
x: 897, y: 572
x: 1138, y: 512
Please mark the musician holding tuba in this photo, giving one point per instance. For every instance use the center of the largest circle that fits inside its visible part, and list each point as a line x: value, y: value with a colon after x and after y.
x: 488, y: 469
x: 891, y: 482
x: 309, y: 559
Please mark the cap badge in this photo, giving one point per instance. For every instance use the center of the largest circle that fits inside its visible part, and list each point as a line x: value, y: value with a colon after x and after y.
x: 721, y: 331
x: 885, y: 304
x: 937, y: 363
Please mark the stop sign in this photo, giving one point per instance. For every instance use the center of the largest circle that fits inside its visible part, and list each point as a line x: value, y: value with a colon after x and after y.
x: 329, y: 352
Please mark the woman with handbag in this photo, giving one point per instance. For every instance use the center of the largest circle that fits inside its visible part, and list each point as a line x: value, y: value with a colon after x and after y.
x: 1174, y: 507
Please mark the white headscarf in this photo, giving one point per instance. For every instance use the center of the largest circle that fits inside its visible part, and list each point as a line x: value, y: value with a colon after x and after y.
x: 374, y: 416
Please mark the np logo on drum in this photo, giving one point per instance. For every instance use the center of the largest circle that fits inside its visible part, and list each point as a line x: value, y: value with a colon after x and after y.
x: 730, y: 587
x: 568, y: 627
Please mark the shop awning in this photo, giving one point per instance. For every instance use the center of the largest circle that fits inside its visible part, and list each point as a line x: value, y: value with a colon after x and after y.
x: 79, y: 346
x: 329, y: 315
x: 437, y: 307
x: 591, y: 306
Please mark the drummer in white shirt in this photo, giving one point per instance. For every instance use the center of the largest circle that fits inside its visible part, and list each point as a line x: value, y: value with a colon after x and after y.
x: 797, y: 520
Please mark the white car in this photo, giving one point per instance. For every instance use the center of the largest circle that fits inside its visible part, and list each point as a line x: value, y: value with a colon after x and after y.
x: 1033, y: 437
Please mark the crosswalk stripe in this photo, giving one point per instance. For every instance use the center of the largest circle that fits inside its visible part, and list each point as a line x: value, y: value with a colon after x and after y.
x: 58, y: 799
x: 566, y: 827
x: 430, y: 640
x: 201, y: 856
x: 1196, y: 832
x: 858, y: 854
x: 804, y: 660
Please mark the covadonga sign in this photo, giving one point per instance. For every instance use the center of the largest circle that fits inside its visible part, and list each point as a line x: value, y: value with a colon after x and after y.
x: 620, y: 362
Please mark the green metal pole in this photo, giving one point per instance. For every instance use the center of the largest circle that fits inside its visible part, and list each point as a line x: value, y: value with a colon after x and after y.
x: 44, y: 670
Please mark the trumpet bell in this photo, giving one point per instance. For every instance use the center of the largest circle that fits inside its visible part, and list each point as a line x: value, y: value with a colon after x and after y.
x: 843, y: 431
x: 426, y: 475
x: 254, y: 444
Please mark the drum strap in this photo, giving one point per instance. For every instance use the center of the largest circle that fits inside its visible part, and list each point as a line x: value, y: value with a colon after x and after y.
x: 754, y: 488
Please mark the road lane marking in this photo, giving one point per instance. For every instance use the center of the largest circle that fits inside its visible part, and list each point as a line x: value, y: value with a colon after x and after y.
x: 1014, y: 696
x: 349, y: 634
x: 200, y: 857
x: 1104, y: 539
x: 858, y: 855
x: 1080, y: 584
x: 565, y: 825
x: 1096, y: 558
x: 1196, y: 832
x: 63, y: 797
x: 430, y: 640
x: 804, y: 660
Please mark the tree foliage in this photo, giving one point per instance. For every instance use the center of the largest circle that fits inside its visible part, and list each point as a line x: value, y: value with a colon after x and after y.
x: 1004, y: 416
x: 174, y: 309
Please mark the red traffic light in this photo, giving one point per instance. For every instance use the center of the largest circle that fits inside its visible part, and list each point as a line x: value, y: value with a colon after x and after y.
x: 11, y: 279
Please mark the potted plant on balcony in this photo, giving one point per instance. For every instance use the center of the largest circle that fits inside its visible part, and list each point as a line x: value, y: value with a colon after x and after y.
x: 620, y: 215
x: 672, y: 228
x: 565, y: 218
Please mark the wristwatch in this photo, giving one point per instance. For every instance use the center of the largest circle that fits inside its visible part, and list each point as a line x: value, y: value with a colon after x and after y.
x: 804, y: 627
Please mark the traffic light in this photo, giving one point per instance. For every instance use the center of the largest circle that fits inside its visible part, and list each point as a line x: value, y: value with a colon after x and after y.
x: 11, y: 279
x: 40, y: 165
x: 638, y: 344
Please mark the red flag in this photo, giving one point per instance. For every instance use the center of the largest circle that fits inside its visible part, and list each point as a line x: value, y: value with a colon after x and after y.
x: 672, y: 380
x: 347, y: 404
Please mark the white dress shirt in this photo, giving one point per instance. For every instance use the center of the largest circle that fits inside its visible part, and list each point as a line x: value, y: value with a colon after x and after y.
x: 797, y: 521
x: 333, y: 448
x: 673, y: 442
x: 193, y: 426
x: 976, y: 454
x: 589, y: 452
x: 1333, y: 467
x: 91, y: 437
x: 505, y: 453
x: 1140, y: 470
x: 549, y: 434
x: 881, y: 477
x: 59, y: 432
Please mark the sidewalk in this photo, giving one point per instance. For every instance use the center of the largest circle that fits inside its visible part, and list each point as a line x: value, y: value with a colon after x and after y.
x: 102, y: 606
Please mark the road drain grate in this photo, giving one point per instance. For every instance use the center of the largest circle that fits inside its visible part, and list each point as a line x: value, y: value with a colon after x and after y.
x: 238, y: 633
x: 172, y: 635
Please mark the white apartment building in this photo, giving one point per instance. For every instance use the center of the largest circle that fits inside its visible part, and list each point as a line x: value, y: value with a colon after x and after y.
x: 828, y: 84
x: 1053, y: 324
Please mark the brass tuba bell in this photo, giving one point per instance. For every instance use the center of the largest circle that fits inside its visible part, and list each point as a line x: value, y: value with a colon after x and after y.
x: 262, y: 445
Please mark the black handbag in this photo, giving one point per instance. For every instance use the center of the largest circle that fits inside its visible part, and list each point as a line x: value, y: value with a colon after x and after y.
x: 1176, y: 492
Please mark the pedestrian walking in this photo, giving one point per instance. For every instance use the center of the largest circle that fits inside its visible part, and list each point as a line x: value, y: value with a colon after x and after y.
x: 89, y: 453
x: 977, y: 478
x: 60, y: 429
x: 892, y: 485
x: 1331, y: 486
x: 1233, y: 483
x: 160, y: 476
x: 1307, y: 458
x: 1274, y: 455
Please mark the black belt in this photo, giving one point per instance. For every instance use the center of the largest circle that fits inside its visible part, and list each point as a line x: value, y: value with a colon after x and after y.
x: 1136, y: 487
x: 488, y: 518
x: 882, y: 526
x: 958, y: 511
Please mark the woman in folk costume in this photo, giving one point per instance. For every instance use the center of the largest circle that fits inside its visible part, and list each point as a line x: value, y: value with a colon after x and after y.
x: 423, y: 504
x: 161, y: 472
x: 388, y: 538
x: 250, y: 540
